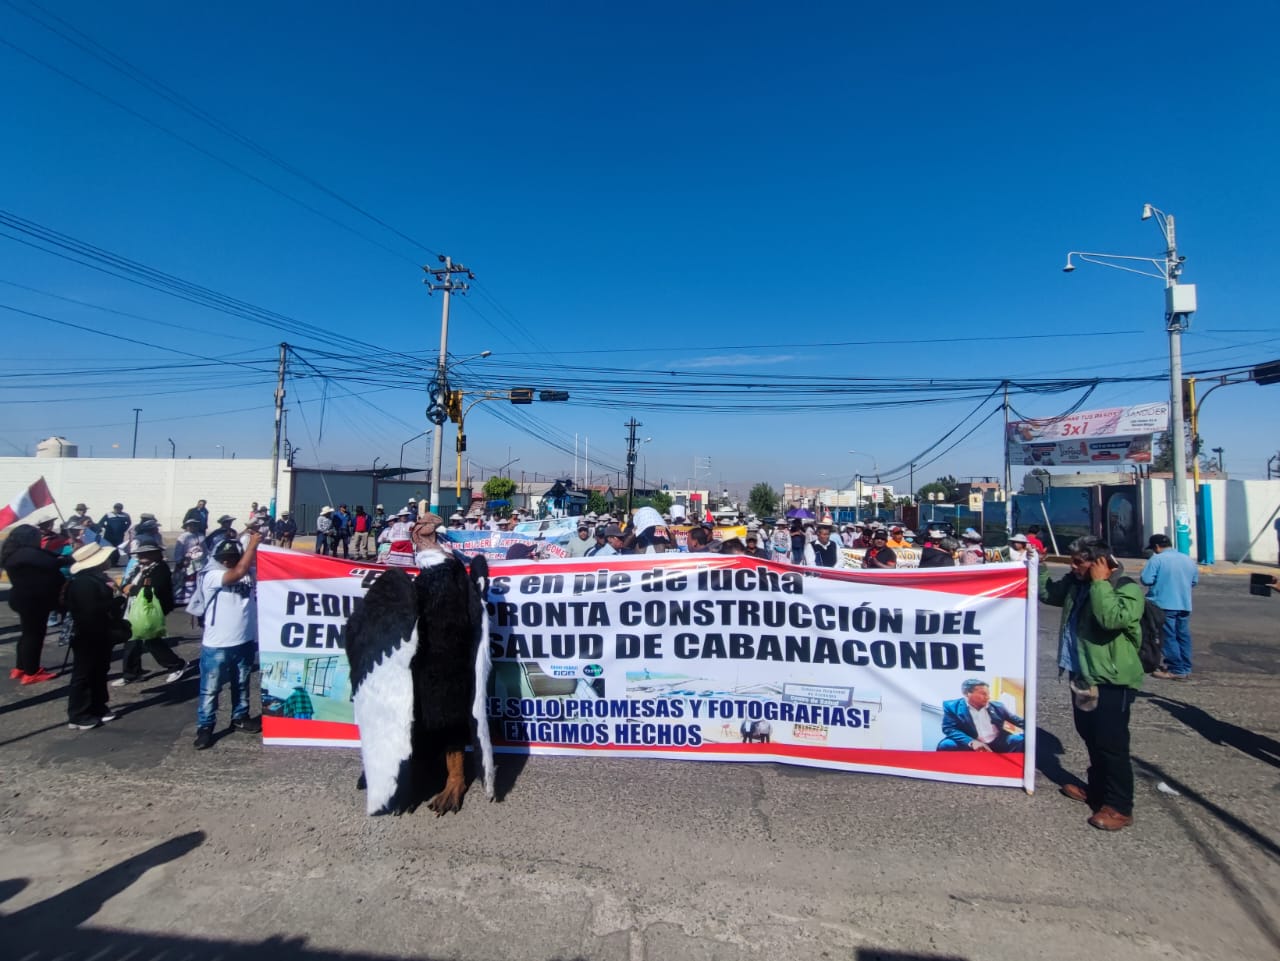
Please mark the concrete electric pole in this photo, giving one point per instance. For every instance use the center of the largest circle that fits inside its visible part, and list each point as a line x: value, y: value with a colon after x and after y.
x: 438, y: 388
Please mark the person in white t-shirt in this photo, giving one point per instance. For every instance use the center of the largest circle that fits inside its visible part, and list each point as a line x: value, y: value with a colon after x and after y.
x: 230, y: 635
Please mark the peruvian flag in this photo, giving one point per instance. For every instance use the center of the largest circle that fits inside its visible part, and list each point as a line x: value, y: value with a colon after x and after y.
x: 28, y: 502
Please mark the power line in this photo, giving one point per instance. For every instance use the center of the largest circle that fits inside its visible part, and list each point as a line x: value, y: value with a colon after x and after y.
x: 118, y: 63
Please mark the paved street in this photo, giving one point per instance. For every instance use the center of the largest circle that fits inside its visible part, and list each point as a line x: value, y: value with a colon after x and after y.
x: 123, y: 841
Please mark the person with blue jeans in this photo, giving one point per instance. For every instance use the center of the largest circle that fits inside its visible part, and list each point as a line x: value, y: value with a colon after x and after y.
x: 1169, y: 577
x: 230, y: 638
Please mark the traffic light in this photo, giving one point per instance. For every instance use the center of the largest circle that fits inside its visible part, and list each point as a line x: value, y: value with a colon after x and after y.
x: 462, y: 443
x: 553, y: 395
x: 521, y: 395
x: 1266, y: 374
x: 454, y: 406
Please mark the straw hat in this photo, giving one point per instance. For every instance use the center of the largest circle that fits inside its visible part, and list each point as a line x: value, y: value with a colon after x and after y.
x: 91, y: 556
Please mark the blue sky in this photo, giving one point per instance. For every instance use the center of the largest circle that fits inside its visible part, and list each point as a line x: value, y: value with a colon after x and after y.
x: 849, y: 190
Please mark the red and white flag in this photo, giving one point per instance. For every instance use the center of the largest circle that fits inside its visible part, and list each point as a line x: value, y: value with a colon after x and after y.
x: 28, y: 502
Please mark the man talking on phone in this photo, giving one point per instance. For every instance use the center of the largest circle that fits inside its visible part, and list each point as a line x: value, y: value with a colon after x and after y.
x: 1098, y: 644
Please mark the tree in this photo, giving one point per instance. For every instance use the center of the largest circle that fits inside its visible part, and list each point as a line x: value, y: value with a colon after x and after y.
x: 946, y: 486
x: 1162, y: 463
x: 500, y: 489
x: 660, y: 501
x: 763, y: 500
x: 596, y: 504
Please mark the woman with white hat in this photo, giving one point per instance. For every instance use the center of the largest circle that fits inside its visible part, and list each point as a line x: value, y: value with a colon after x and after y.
x: 96, y: 607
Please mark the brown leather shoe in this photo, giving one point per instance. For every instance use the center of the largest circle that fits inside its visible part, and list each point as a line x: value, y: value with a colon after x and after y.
x: 1075, y: 792
x: 1109, y: 819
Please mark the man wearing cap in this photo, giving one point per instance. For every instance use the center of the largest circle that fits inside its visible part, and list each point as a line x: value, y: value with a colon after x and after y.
x: 615, y: 539
x: 286, y: 529
x: 379, y: 521
x: 324, y: 530
x: 582, y: 543
x: 938, y: 551
x: 600, y: 547
x: 82, y: 518
x: 896, y: 540
x: 199, y: 513
x: 230, y: 635
x: 113, y: 526
x: 753, y: 546
x: 96, y: 607
x: 152, y: 574
x: 223, y: 532
x: 880, y: 556
x: 1169, y: 577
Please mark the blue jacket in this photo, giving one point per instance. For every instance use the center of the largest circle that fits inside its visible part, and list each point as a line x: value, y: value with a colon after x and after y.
x: 1170, y: 575
x: 958, y: 724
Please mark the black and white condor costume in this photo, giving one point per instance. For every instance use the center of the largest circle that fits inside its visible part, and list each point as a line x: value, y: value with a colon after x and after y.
x: 420, y: 666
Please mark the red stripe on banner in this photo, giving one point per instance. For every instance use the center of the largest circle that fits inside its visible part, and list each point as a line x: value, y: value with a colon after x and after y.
x: 275, y: 563
x: 292, y: 727
x: 980, y: 764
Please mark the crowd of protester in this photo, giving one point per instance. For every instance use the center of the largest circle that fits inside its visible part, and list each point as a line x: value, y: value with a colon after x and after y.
x: 61, y: 575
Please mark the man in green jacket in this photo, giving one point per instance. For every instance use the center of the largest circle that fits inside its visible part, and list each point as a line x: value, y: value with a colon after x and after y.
x: 1098, y: 645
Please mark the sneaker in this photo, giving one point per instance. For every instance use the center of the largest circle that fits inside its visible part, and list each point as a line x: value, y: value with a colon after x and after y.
x: 122, y: 681
x: 176, y: 675
x: 16, y: 674
x: 108, y: 717
x: 39, y: 677
x: 88, y: 724
x: 249, y: 725
x: 204, y: 738
x: 1162, y: 674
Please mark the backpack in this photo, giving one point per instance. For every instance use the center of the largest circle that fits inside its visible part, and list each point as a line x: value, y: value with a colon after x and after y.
x: 1151, y: 650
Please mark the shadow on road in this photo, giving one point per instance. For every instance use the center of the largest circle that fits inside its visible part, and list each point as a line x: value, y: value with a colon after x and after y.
x: 1048, y: 750
x: 1242, y: 889
x: 882, y: 954
x: 1258, y: 746
x: 52, y: 928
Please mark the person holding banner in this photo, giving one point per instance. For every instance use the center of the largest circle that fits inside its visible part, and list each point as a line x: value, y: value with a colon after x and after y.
x: 880, y: 555
x: 1098, y: 646
x: 230, y: 637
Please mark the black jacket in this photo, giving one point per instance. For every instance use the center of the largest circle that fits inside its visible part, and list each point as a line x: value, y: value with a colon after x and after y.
x: 94, y: 608
x: 36, y: 579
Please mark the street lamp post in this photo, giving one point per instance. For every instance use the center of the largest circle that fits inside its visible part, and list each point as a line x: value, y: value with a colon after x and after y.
x: 410, y: 441
x: 857, y: 483
x: 222, y: 450
x: 1180, y: 304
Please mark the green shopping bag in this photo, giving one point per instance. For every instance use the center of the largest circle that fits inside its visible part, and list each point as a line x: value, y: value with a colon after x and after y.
x: 145, y: 615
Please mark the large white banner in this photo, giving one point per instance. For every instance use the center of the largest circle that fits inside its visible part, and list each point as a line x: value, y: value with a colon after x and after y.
x: 928, y: 673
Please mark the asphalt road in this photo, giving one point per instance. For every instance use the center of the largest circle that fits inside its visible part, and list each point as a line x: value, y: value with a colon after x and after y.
x: 124, y: 842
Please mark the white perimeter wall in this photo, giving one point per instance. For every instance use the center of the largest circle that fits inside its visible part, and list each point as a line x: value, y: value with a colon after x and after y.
x: 164, y: 487
x: 1241, y: 510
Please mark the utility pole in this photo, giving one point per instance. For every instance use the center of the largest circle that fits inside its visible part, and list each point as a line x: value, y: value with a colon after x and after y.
x: 631, y: 426
x: 1008, y: 471
x: 275, y: 448
x: 1176, y: 314
x: 438, y: 388
x: 136, y: 412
